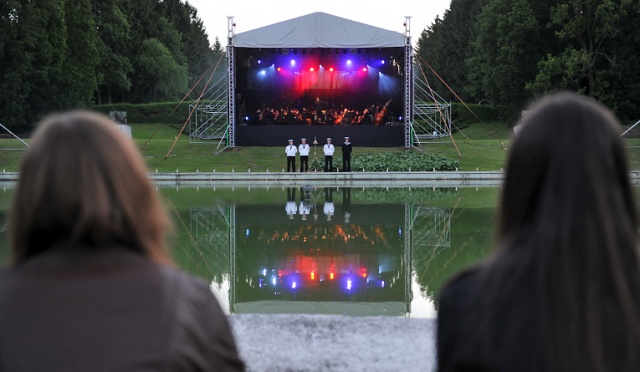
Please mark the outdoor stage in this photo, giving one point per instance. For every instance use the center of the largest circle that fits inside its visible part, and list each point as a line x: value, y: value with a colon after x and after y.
x: 315, y: 76
x: 359, y: 135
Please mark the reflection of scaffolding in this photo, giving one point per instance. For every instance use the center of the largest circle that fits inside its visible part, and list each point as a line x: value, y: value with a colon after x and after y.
x: 213, y: 229
x: 431, y: 113
x: 426, y: 228
x: 430, y: 227
x: 210, y: 116
x: 407, y: 259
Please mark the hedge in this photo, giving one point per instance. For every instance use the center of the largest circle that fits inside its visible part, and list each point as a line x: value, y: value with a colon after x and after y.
x: 153, y: 113
x: 480, y: 114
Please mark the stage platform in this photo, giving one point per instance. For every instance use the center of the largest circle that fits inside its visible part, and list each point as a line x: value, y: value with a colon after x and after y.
x: 390, y: 135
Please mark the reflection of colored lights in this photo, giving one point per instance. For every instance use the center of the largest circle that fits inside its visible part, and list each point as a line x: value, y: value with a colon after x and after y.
x: 331, y: 276
x: 260, y: 283
x: 273, y: 281
x: 279, y: 272
x: 264, y: 272
x: 313, y: 275
x: 349, y: 284
x: 294, y: 285
x: 382, y: 284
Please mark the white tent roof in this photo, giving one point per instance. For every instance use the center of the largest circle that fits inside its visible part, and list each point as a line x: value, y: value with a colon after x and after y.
x: 319, y: 30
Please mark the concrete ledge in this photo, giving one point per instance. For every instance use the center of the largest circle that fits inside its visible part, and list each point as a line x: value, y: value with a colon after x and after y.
x: 350, y: 179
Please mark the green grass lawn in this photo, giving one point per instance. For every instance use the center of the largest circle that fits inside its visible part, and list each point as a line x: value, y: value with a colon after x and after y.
x: 482, y: 146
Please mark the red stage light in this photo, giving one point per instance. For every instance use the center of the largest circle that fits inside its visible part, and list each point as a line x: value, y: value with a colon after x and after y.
x: 279, y: 68
x: 311, y: 69
x: 364, y: 69
x: 331, y: 69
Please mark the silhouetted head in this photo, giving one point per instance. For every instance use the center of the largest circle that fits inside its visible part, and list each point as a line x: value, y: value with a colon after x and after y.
x: 84, y: 184
x: 566, y: 164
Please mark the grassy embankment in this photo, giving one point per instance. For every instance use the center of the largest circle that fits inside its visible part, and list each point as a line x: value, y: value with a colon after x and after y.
x: 480, y: 145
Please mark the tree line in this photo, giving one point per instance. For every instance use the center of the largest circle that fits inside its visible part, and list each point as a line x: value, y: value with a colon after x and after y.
x: 509, y: 52
x: 61, y: 54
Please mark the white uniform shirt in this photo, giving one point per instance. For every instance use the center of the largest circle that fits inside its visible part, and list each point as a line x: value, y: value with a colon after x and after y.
x: 304, y: 149
x: 291, y: 207
x: 329, y: 209
x: 291, y: 150
x: 328, y: 149
x: 305, y: 208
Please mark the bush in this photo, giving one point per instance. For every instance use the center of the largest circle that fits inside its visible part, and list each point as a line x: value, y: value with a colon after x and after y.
x: 480, y: 114
x: 400, y: 162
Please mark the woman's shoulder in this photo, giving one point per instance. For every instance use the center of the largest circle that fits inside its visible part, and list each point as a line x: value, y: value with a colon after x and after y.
x: 461, y: 284
x: 188, y: 287
x: 202, y: 335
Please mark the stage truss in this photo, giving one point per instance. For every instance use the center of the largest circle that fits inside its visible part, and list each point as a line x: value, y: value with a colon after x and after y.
x: 431, y: 113
x: 427, y: 115
x: 209, y: 120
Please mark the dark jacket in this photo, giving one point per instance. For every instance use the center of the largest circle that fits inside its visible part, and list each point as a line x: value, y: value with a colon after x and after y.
x: 111, y: 310
x: 346, y: 150
x: 471, y: 337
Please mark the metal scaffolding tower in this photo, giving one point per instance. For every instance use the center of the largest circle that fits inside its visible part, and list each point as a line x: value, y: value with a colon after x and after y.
x: 431, y: 113
x: 213, y: 118
x: 408, y: 84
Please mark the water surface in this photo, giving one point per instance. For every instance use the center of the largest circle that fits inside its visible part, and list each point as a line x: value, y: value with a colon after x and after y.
x: 321, y: 250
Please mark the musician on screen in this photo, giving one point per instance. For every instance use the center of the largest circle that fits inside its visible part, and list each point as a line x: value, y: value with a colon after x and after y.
x: 318, y: 106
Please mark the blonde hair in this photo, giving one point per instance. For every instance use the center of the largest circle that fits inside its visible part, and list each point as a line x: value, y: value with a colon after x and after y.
x: 85, y: 184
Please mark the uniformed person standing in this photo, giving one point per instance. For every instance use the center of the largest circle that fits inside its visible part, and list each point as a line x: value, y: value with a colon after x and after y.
x: 291, y: 208
x: 291, y: 151
x: 328, y: 155
x: 303, y: 149
x: 329, y: 209
x: 346, y: 155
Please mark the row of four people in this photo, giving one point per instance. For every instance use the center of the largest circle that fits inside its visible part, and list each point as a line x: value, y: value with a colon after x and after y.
x: 328, y: 149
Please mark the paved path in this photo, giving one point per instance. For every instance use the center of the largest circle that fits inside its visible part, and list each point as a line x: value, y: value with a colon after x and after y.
x: 334, y: 343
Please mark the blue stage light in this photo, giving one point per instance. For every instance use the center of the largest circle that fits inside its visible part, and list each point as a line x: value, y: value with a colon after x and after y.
x: 293, y: 62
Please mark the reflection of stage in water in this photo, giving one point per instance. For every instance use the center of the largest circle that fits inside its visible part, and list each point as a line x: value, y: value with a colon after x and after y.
x: 360, y: 267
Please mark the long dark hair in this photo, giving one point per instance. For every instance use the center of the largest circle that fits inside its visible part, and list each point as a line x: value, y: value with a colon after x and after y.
x: 84, y: 184
x: 568, y: 229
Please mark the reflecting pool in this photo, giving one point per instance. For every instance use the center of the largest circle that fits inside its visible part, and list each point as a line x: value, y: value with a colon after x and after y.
x: 326, y: 250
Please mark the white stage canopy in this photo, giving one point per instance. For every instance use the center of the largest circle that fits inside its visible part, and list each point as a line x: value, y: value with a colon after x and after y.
x: 319, y: 30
